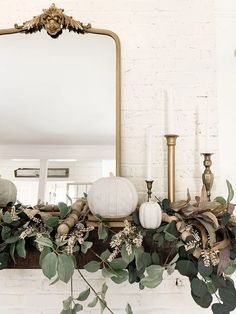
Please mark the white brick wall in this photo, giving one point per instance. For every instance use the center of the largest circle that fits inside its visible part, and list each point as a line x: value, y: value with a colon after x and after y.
x: 164, y: 43
x: 28, y: 292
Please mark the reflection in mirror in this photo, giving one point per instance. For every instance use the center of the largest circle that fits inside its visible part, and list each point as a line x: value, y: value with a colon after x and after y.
x: 58, y: 110
x: 81, y: 175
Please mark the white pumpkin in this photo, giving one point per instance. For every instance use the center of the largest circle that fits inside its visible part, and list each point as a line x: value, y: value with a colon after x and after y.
x: 112, y: 197
x: 7, y: 192
x: 150, y: 215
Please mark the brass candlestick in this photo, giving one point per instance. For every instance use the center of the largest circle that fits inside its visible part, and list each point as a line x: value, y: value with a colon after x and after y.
x: 149, y: 189
x: 207, y: 176
x: 171, y: 143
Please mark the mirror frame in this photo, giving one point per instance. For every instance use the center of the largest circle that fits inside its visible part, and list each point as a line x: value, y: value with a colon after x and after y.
x: 54, y: 21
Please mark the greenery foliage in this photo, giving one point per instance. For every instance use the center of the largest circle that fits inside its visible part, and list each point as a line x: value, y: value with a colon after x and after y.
x: 195, y: 238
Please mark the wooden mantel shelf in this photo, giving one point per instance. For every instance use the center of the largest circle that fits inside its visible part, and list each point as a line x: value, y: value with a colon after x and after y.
x: 32, y: 258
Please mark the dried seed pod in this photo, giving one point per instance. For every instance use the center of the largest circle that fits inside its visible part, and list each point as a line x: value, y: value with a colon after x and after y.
x: 63, y: 229
x: 74, y: 216
x: 70, y: 221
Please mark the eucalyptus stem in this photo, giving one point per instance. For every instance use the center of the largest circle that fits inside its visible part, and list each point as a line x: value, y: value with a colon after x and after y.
x: 215, y: 294
x: 168, y: 256
x: 71, y: 288
x: 95, y: 292
x: 105, y: 262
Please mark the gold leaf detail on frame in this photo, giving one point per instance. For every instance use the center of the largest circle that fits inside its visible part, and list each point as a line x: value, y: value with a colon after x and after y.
x: 53, y: 20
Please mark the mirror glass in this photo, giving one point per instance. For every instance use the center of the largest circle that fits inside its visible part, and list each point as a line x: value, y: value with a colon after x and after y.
x: 58, y: 110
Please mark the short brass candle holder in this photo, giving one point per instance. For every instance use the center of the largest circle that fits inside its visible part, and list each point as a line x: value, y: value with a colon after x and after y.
x: 149, y: 188
x: 207, y: 176
x: 171, y: 143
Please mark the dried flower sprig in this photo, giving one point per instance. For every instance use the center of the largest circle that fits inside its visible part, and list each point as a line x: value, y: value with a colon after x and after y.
x: 129, y: 236
x: 78, y: 235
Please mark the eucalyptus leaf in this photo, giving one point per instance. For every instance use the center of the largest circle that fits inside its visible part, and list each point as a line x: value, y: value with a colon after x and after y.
x: 104, y: 290
x: 151, y: 282
x: 60, y: 242
x: 52, y: 222
x: 49, y: 265
x: 44, y: 252
x: 154, y: 278
x: 218, y: 308
x: 138, y: 252
x: 86, y: 246
x: 205, y: 301
x: 67, y: 303
x: 166, y: 204
x: 224, y: 219
x: 108, y: 273
x: 102, y: 231
x: 155, y: 258
x: 133, y: 275
x: 135, y: 217
x: 66, y: 312
x: 128, y: 309
x: 230, y: 269
x: 155, y: 270
x: 12, y: 239
x: 4, y: 260
x: 118, y: 263
x: 230, y: 191
x: 5, y: 233
x: 220, y: 200
x: 104, y: 256
x: 20, y: 248
x: 205, y: 271
x: 125, y: 256
x: 7, y: 218
x: 92, y: 266
x: 171, y: 232
x: 121, y: 276
x: 12, y: 251
x: 146, y: 259
x: 54, y: 281
x: 228, y: 295
x: 199, y: 287
x: 64, y: 210
x: 84, y: 295
x: 44, y: 242
x: 65, y: 267
x: 93, y: 303
x: 78, y: 307
x: 186, y: 268
x: 217, y: 281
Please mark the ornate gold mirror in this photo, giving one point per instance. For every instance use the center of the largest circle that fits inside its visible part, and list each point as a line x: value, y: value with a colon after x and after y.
x: 59, y: 105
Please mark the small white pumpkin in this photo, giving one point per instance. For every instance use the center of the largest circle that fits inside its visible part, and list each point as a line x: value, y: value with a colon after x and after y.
x: 150, y: 215
x: 7, y: 192
x: 112, y: 197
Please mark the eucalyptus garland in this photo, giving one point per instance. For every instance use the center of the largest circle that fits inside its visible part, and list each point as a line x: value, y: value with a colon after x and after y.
x: 196, y: 238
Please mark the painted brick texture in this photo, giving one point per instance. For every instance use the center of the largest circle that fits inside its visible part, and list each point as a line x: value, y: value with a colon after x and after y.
x: 165, y: 44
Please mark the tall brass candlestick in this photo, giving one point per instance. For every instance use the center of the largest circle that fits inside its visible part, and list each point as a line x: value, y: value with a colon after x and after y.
x: 207, y: 176
x: 171, y: 143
